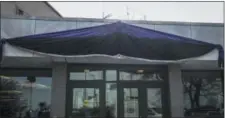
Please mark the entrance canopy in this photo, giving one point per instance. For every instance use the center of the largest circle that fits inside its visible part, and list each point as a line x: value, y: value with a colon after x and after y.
x: 118, y: 40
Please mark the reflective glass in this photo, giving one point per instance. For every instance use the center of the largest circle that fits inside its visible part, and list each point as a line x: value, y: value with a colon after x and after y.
x: 111, y: 98
x: 111, y: 75
x: 131, y: 105
x: 19, y: 93
x: 154, y: 103
x: 86, y: 102
x: 86, y: 74
x: 125, y: 75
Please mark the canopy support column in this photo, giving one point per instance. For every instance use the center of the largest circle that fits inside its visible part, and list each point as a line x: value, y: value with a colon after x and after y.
x: 59, y: 78
x: 176, y: 91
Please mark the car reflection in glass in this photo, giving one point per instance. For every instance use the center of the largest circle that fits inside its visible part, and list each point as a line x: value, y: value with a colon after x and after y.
x: 154, y: 113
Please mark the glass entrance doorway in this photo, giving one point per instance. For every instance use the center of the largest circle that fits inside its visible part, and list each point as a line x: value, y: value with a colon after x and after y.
x: 140, y: 100
x: 112, y: 93
x: 85, y: 100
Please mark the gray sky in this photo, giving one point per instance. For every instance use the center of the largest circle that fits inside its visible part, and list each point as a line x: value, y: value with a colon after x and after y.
x: 155, y: 11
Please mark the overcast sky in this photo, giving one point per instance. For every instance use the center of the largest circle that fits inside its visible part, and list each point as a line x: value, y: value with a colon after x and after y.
x: 155, y: 11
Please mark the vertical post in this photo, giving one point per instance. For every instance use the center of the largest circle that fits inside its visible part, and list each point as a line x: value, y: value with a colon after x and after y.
x: 0, y: 83
x: 176, y: 91
x: 85, y: 89
x: 58, y: 98
x: 31, y: 90
x: 222, y: 81
x: 31, y: 80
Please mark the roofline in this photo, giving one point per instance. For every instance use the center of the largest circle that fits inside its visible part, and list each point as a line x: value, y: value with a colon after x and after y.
x: 114, y: 20
x: 53, y: 9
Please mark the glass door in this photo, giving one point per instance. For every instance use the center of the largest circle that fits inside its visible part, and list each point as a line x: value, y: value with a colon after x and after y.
x: 154, y: 103
x: 86, y: 100
x: 138, y: 100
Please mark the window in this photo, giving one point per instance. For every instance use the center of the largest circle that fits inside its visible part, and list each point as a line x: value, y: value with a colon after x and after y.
x: 111, y: 97
x: 18, y: 92
x: 140, y: 75
x: 111, y: 75
x: 131, y: 102
x: 85, y: 97
x: 203, y: 95
x: 86, y: 74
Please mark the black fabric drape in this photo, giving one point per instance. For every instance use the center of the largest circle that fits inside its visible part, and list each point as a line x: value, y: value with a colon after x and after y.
x: 117, y: 38
x: 116, y: 43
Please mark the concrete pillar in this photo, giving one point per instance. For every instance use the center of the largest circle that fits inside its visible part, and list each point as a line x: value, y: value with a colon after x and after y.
x: 58, y: 100
x: 176, y: 91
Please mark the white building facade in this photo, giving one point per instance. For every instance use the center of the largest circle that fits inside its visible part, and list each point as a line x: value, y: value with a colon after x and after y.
x: 64, y: 72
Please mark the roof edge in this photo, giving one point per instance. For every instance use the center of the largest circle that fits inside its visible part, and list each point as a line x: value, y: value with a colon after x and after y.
x: 52, y: 8
x: 112, y: 20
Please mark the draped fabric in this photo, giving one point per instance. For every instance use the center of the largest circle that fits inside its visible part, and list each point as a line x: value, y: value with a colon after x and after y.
x: 116, y: 38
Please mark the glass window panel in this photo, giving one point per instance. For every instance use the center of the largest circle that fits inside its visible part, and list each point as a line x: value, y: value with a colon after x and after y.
x: 125, y: 76
x: 153, y: 76
x: 111, y: 75
x: 111, y: 98
x: 86, y: 102
x: 77, y: 76
x: 87, y: 75
x: 208, y: 89
x: 131, y: 105
x: 154, y: 102
x: 25, y: 94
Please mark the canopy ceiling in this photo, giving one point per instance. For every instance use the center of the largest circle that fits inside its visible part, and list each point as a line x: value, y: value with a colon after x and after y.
x: 113, y: 39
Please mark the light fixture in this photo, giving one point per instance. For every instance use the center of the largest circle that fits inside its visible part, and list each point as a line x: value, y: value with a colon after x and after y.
x: 86, y: 70
x: 140, y: 71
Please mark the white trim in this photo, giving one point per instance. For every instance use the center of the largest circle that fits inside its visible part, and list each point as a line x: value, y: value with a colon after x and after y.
x: 22, y: 55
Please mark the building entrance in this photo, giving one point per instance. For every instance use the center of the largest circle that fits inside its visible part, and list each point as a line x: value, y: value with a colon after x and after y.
x: 116, y: 92
x: 140, y: 100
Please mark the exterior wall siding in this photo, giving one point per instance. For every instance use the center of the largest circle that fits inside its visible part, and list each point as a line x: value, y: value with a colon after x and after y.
x: 8, y: 8
x: 35, y: 9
